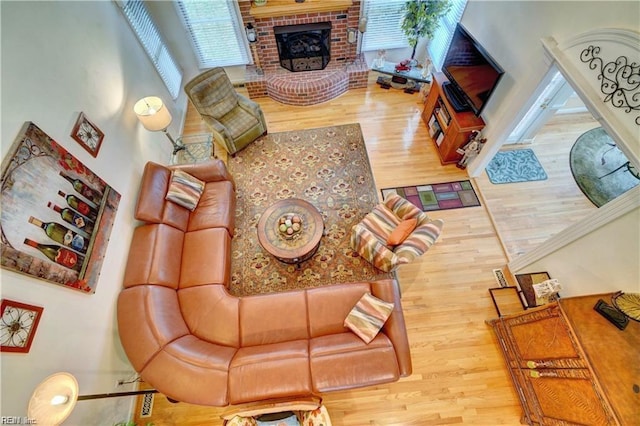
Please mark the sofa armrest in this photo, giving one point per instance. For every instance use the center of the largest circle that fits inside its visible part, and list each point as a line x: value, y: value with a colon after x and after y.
x: 213, y: 170
x: 394, y: 328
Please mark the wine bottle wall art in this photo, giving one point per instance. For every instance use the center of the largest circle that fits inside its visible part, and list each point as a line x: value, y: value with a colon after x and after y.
x: 57, y: 215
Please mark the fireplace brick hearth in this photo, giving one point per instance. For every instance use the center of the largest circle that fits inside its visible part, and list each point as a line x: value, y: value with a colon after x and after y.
x: 346, y: 69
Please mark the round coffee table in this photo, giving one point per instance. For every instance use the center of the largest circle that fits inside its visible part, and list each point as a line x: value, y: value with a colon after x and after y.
x: 299, y: 247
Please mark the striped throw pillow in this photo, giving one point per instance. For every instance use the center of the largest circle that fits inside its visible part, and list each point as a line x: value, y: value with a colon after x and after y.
x: 184, y: 189
x: 368, y: 316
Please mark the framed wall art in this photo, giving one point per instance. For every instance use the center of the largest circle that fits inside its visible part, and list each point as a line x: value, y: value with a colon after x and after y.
x: 18, y: 324
x: 87, y: 134
x: 56, y: 215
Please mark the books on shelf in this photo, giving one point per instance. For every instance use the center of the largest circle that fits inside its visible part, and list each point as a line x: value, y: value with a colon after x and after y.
x: 439, y: 138
x: 434, y: 127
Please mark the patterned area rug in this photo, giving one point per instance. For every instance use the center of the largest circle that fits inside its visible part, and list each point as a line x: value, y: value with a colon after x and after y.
x: 600, y: 169
x: 520, y: 165
x: 327, y: 167
x: 439, y: 196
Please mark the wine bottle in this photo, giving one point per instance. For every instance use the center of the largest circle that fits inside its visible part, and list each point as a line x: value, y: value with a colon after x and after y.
x: 61, y: 255
x: 62, y: 235
x: 73, y: 217
x: 84, y: 189
x: 79, y: 205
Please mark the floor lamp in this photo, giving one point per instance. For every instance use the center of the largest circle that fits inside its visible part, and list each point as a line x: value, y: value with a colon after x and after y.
x: 55, y: 397
x: 155, y: 116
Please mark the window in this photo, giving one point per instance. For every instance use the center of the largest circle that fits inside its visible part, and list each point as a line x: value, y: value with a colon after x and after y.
x: 439, y: 45
x: 150, y: 38
x: 383, y: 25
x: 215, y: 30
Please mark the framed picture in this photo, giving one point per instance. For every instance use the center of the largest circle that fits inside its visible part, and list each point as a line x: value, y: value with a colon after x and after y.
x: 526, y: 282
x: 56, y: 215
x: 87, y: 134
x: 18, y: 325
x: 507, y: 300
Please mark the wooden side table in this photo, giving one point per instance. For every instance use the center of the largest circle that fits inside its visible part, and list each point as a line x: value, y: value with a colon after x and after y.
x: 197, y: 148
x: 299, y: 248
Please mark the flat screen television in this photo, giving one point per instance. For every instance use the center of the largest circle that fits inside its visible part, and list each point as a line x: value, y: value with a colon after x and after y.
x: 472, y: 73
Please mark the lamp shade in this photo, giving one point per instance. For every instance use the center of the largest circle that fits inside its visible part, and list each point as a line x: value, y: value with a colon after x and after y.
x: 53, y: 399
x: 152, y: 113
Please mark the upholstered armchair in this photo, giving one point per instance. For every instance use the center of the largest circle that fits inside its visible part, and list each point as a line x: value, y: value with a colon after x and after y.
x: 234, y: 120
x: 394, y: 233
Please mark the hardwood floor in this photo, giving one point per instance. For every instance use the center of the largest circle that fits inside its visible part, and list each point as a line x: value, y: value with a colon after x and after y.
x: 528, y: 213
x: 458, y: 374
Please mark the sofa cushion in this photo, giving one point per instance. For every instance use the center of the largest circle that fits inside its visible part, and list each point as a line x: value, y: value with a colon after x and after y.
x: 152, y: 206
x: 184, y: 189
x: 148, y: 319
x: 330, y: 305
x: 273, y: 318
x: 211, y: 314
x: 216, y: 209
x: 270, y: 371
x: 368, y: 316
x: 344, y: 361
x: 187, y: 361
x: 206, y: 258
x: 155, y: 256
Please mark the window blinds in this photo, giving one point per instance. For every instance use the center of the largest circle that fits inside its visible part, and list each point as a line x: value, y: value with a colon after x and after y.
x: 150, y: 38
x: 216, y: 34
x: 383, y: 25
x: 439, y: 45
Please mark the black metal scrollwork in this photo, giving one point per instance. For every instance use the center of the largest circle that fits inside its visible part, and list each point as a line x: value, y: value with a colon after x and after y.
x: 619, y: 80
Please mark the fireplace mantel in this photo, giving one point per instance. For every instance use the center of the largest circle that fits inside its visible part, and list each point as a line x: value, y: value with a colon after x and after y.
x: 278, y: 8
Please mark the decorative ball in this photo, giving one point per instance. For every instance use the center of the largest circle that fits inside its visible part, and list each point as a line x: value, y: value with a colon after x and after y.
x: 290, y: 225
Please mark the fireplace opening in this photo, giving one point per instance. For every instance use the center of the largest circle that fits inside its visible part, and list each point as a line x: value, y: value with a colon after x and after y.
x: 304, y: 47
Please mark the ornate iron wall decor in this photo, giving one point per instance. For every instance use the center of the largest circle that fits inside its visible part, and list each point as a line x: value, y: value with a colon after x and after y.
x: 619, y: 80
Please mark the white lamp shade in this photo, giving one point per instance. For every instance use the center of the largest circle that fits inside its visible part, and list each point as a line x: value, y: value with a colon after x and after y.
x: 53, y: 400
x: 152, y: 113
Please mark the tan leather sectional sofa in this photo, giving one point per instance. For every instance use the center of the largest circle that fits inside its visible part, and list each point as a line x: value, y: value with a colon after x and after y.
x: 194, y: 342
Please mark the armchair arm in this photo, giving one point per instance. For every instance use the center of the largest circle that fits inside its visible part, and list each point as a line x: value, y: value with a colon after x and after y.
x: 367, y: 245
x: 420, y: 240
x: 249, y: 105
x: 213, y: 170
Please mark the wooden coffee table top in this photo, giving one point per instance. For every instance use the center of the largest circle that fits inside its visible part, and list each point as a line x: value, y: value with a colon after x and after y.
x: 299, y: 247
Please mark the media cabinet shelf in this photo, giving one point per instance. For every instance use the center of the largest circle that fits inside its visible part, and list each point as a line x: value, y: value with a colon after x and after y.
x: 449, y: 129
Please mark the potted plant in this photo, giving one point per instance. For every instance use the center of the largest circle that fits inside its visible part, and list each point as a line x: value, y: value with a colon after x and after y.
x: 421, y: 19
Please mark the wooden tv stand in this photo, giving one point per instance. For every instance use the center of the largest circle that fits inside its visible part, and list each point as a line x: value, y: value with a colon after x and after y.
x: 449, y: 130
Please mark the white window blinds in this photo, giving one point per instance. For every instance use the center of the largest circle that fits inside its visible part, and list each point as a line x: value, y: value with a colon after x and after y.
x: 150, y: 38
x: 383, y: 25
x: 439, y: 45
x: 215, y: 30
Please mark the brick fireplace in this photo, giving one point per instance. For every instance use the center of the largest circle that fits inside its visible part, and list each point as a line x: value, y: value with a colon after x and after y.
x: 345, y: 70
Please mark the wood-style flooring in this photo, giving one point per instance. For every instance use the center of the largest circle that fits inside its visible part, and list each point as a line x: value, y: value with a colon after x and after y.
x: 458, y: 373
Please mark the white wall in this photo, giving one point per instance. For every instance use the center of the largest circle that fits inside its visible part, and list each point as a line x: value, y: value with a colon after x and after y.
x: 60, y: 58
x: 604, y: 261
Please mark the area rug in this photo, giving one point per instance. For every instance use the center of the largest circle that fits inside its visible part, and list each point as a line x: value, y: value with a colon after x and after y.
x: 600, y: 169
x: 439, y: 196
x: 519, y: 165
x: 327, y: 167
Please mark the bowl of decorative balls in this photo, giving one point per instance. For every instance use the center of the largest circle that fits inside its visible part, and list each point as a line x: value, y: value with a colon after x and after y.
x: 290, y: 225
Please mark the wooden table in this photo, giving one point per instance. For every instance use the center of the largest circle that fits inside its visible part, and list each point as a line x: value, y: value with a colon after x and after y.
x: 298, y: 248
